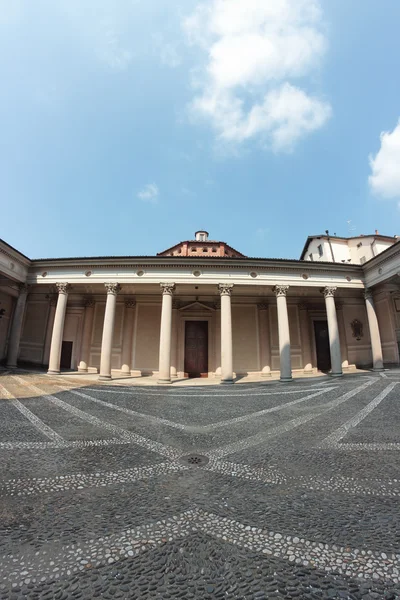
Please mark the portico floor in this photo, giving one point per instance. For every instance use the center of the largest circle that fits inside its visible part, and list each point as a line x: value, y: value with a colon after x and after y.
x: 251, y: 491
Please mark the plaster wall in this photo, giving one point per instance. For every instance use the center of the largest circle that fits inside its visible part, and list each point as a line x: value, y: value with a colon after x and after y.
x: 146, y: 338
x: 245, y: 339
x: 34, y: 330
x: 387, y: 328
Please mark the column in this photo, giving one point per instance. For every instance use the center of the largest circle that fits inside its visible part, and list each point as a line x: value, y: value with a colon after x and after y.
x: 283, y: 333
x: 334, y: 341
x: 58, y: 328
x: 217, y: 307
x: 87, y: 334
x: 16, y: 326
x: 174, y: 339
x: 164, y: 369
x: 305, y: 338
x: 265, y: 346
x: 108, y: 330
x: 129, y: 317
x: 225, y: 290
x: 342, y: 336
x: 377, y: 356
x: 49, y: 329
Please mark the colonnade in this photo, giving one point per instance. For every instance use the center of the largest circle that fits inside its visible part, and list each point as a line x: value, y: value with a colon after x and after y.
x: 336, y: 330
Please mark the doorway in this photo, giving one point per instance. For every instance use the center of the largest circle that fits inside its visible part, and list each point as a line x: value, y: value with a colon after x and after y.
x: 322, y: 345
x: 66, y: 355
x: 196, y: 348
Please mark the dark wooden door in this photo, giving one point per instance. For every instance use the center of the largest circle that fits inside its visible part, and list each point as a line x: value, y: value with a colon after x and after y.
x: 196, y: 348
x: 322, y: 345
x: 66, y: 355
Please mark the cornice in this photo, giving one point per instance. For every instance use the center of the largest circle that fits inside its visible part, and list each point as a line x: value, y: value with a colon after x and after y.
x: 24, y: 262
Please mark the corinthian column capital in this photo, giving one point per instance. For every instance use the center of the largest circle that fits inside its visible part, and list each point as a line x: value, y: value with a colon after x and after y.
x: 281, y: 290
x: 23, y: 288
x: 225, y: 289
x: 112, y: 288
x: 167, y: 288
x: 329, y: 291
x: 367, y: 293
x: 62, y: 287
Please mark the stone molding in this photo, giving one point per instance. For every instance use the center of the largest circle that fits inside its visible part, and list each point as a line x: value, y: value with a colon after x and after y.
x: 303, y: 306
x: 167, y: 288
x: 62, y: 287
x: 329, y: 291
x: 225, y: 289
x: 280, y: 290
x: 112, y: 288
x: 130, y: 303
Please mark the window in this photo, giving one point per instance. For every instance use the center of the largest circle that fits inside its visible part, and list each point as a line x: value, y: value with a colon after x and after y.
x: 320, y: 250
x: 359, y: 244
x: 363, y: 260
x: 193, y: 249
x: 204, y: 249
x: 214, y: 249
x: 310, y: 256
x: 202, y: 237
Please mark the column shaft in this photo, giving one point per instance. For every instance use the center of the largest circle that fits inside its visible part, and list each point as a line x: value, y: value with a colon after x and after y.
x: 108, y: 330
x: 174, y: 340
x: 58, y: 328
x: 16, y: 327
x: 226, y: 334
x: 164, y: 369
x: 283, y: 333
x: 49, y: 330
x: 87, y: 335
x: 342, y: 335
x: 129, y: 317
x: 265, y: 346
x: 376, y: 346
x: 218, y: 339
x: 334, y: 340
x: 305, y: 339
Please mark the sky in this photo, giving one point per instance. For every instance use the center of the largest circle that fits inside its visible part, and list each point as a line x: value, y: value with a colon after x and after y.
x: 126, y: 126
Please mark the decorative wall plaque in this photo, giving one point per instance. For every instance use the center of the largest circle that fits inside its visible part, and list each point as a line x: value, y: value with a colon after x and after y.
x: 357, y: 329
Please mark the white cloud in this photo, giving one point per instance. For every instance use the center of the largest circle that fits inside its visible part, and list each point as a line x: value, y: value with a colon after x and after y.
x: 252, y: 50
x: 385, y: 165
x: 149, y: 193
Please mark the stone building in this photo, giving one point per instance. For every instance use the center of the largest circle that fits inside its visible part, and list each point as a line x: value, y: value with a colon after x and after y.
x: 199, y: 309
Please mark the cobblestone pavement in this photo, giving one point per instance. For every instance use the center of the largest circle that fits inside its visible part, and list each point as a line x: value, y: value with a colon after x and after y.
x: 252, y: 491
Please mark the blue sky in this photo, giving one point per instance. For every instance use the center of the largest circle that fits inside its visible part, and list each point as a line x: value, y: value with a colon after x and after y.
x: 126, y: 126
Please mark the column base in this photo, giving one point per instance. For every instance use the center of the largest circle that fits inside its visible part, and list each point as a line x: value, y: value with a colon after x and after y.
x: 227, y: 381
x: 286, y: 379
x: 266, y: 374
x: 16, y: 367
x: 104, y: 377
x: 164, y: 382
x: 336, y: 374
x: 378, y: 370
x: 49, y: 372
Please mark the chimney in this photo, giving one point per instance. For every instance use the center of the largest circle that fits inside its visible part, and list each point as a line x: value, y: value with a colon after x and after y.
x: 376, y: 232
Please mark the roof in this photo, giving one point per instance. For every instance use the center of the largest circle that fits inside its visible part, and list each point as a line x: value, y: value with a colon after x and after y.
x: 202, y: 243
x: 391, y: 238
x: 14, y: 249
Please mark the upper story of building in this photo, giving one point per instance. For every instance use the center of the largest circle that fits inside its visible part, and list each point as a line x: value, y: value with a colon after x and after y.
x: 202, y: 246
x: 355, y: 250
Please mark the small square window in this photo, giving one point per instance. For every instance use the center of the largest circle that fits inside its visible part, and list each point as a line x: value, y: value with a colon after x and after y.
x: 214, y: 249
x: 193, y: 249
x: 204, y: 249
x: 320, y: 250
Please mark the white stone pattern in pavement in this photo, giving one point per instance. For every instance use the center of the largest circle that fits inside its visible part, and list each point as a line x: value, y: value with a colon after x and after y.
x: 259, y: 438
x: 80, y: 481
x: 333, y: 439
x: 126, y: 435
x: 211, y: 426
x: 72, y: 558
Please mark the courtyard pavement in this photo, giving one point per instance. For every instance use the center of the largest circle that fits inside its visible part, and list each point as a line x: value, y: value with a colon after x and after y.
x: 252, y: 491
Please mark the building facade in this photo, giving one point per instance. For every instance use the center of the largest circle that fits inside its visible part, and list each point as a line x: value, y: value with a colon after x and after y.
x: 192, y: 311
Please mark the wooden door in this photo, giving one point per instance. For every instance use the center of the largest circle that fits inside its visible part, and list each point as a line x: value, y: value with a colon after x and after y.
x: 66, y: 355
x: 196, y: 348
x: 322, y: 345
